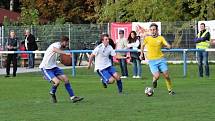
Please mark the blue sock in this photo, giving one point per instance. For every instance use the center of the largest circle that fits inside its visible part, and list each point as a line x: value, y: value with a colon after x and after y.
x: 119, y: 85
x: 53, y: 89
x: 69, y: 89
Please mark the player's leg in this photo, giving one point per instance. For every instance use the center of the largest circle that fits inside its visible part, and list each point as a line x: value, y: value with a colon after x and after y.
x: 118, y: 82
x: 104, y: 80
x: 55, y: 83
x: 67, y: 84
x: 68, y: 87
x: 115, y: 76
x: 164, y: 69
x: 108, y: 78
x: 168, y: 83
x: 155, y: 72
x: 50, y: 76
x: 155, y: 78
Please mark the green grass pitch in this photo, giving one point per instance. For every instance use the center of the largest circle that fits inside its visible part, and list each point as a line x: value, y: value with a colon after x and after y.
x: 26, y: 98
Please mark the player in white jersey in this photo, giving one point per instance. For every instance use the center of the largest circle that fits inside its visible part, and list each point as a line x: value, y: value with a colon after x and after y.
x: 103, y: 64
x: 53, y: 73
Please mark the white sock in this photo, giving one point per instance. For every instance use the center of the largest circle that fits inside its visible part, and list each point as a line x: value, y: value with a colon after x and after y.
x: 72, y: 97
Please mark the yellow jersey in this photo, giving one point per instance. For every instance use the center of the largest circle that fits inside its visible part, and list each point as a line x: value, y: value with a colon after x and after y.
x: 153, y: 46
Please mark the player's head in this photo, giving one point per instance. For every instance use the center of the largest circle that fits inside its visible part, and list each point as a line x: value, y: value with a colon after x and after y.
x: 105, y: 39
x: 202, y: 26
x: 154, y: 29
x: 64, y: 41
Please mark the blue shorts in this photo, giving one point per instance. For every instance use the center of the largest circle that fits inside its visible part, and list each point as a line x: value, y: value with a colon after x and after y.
x: 49, y: 74
x: 159, y: 65
x: 106, y: 73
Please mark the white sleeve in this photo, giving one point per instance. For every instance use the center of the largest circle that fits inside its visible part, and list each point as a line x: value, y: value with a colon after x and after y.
x: 112, y: 53
x: 130, y: 44
x: 57, y: 45
x: 95, y: 51
x: 136, y: 44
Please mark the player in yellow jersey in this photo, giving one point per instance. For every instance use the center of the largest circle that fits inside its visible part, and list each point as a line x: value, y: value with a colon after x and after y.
x: 157, y: 63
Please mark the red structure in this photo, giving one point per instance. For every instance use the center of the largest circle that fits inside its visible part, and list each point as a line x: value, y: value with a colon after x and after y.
x: 12, y: 16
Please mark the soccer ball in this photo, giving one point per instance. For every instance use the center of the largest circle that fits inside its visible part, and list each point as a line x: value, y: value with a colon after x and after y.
x: 149, y: 91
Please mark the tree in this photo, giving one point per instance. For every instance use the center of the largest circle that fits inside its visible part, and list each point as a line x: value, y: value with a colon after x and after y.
x: 157, y: 10
x: 76, y: 11
x: 29, y: 16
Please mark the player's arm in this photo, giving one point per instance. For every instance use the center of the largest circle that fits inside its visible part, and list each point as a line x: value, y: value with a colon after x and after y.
x: 60, y: 51
x: 90, y: 60
x: 119, y: 56
x: 166, y: 44
x: 116, y: 55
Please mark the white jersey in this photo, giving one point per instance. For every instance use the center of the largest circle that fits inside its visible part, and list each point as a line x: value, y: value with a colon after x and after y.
x: 50, y: 58
x: 102, y: 56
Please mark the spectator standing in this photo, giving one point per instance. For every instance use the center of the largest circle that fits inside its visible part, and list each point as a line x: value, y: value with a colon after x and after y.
x: 203, y: 42
x: 12, y: 45
x: 134, y: 43
x: 30, y: 45
x: 121, y: 44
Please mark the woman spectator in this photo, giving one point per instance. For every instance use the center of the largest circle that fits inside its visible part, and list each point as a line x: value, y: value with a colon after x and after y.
x: 134, y: 43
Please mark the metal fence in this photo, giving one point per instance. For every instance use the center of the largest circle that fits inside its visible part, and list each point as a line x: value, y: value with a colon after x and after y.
x: 79, y: 34
x: 179, y: 34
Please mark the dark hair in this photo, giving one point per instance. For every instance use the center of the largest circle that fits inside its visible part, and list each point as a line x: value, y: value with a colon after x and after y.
x: 121, y: 31
x: 102, y: 36
x: 155, y: 25
x: 203, y: 24
x: 64, y: 38
x: 130, y: 39
x: 111, y: 43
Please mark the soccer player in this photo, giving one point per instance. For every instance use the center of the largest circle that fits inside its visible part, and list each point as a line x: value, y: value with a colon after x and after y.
x: 103, y: 64
x: 53, y: 73
x: 156, y: 60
